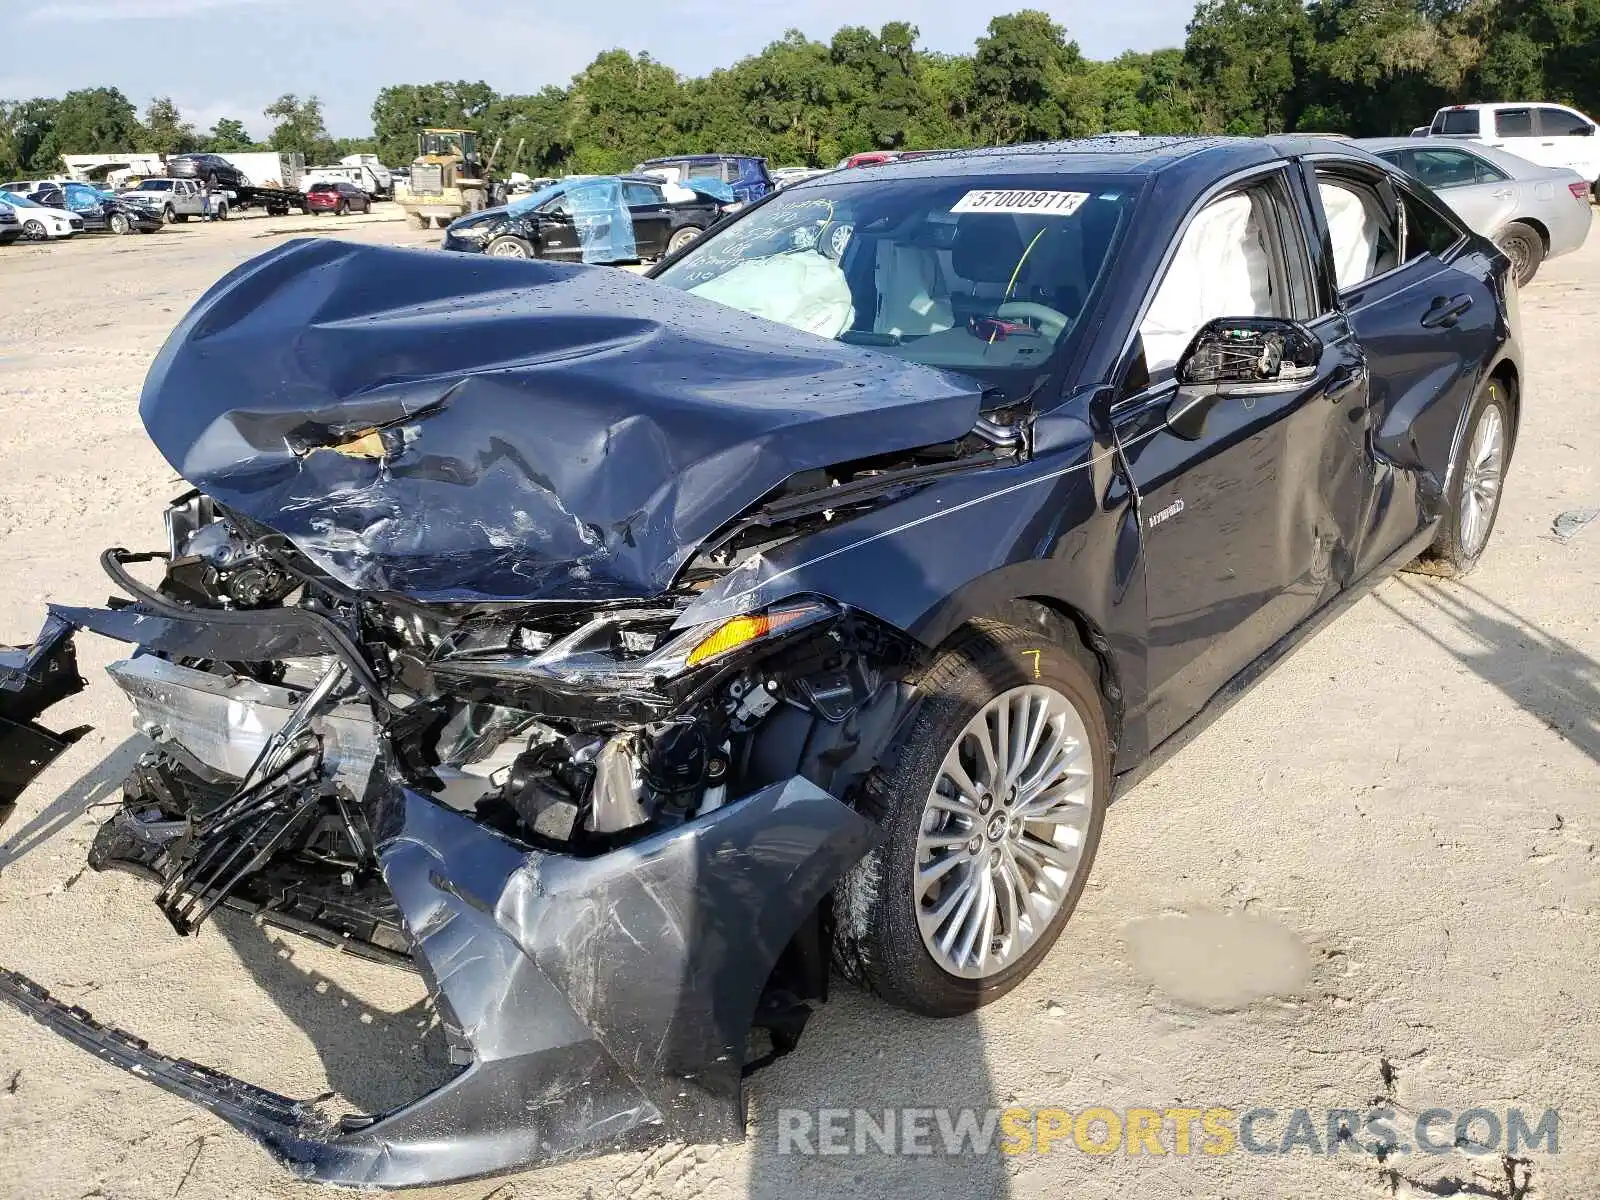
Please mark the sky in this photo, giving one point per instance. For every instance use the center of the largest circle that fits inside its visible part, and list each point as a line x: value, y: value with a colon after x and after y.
x: 219, y: 58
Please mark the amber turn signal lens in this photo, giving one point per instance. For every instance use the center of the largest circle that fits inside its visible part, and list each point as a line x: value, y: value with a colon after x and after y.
x: 741, y: 631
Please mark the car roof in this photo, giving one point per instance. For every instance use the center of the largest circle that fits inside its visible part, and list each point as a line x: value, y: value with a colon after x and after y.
x: 1486, y: 105
x: 1511, y: 164
x: 672, y: 158
x: 1109, y: 155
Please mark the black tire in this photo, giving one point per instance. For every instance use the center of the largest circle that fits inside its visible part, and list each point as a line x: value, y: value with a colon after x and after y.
x: 1456, y: 550
x: 34, y: 231
x: 879, y: 942
x: 1524, y: 247
x: 339, y: 209
x: 416, y: 221
x: 119, y: 224
x: 506, y: 246
x: 682, y: 238
x: 222, y: 211
x: 180, y: 218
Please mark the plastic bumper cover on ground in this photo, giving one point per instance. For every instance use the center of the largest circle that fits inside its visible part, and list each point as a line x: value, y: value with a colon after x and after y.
x: 601, y: 1002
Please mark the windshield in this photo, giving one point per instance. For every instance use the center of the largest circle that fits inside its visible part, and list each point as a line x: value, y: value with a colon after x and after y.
x: 949, y: 272
x: 155, y: 185
x: 533, y: 200
x: 18, y: 201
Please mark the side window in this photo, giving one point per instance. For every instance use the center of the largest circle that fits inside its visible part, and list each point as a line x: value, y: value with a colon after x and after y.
x: 640, y: 195
x: 1364, y: 227
x: 1426, y: 231
x: 1230, y: 263
x: 1514, y: 122
x: 1558, y: 122
x: 1445, y: 168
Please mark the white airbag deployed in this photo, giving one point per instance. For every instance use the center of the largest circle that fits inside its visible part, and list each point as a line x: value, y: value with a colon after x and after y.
x: 803, y: 291
x: 1221, y: 269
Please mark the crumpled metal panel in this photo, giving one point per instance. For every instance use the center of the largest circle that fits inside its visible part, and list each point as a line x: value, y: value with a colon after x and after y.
x: 599, y: 1003
x: 544, y: 431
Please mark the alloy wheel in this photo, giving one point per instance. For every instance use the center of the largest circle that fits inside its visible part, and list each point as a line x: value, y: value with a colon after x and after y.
x: 33, y: 231
x: 1003, y: 831
x: 1482, y: 478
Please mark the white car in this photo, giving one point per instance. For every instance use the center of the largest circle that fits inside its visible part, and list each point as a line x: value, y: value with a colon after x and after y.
x: 40, y: 223
x: 1551, y: 135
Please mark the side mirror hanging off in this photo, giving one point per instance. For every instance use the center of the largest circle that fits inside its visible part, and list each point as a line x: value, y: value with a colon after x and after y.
x: 1250, y: 353
x: 1240, y: 356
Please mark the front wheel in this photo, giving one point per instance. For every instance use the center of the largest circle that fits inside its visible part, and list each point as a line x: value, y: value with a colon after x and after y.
x: 1472, y: 499
x: 992, y: 807
x: 34, y: 231
x: 682, y: 238
x: 1525, y: 248
x: 168, y: 215
x: 508, y: 247
x: 120, y: 224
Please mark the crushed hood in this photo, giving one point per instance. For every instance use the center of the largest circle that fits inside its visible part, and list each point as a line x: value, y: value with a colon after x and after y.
x: 509, y: 430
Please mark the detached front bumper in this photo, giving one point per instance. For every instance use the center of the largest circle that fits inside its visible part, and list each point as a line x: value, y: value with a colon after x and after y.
x: 593, y: 1003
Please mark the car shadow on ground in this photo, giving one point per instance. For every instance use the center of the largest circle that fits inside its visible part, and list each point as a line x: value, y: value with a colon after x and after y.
x: 100, y: 785
x: 877, y: 1102
x: 1543, y: 675
x: 374, y: 1059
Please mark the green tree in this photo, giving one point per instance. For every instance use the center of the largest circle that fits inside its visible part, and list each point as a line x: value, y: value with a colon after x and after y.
x: 1243, y: 57
x: 399, y: 112
x: 228, y: 136
x: 299, y: 128
x: 165, y: 130
x: 1025, y: 77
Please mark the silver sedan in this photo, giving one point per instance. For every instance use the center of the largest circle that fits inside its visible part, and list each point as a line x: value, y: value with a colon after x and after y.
x: 1531, y: 212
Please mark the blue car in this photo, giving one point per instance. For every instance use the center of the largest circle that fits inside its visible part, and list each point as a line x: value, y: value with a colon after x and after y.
x: 620, y: 652
x: 745, y: 174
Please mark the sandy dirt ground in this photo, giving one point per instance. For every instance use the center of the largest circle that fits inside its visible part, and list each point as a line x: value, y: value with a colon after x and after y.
x: 1373, y: 881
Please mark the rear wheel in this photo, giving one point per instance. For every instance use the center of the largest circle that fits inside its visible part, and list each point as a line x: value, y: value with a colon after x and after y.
x: 992, y: 808
x: 339, y: 209
x: 1472, y: 501
x: 417, y: 221
x: 1524, y: 247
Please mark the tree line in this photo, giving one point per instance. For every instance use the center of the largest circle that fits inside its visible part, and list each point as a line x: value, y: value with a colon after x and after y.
x: 1362, y: 67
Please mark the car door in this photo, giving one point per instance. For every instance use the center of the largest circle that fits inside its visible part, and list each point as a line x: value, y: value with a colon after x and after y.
x: 1418, y: 291
x: 1481, y: 194
x: 1247, y: 520
x: 652, y: 220
x: 1569, y: 138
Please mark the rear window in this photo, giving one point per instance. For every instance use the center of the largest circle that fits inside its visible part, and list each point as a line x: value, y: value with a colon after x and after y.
x: 324, y: 187
x: 1457, y: 121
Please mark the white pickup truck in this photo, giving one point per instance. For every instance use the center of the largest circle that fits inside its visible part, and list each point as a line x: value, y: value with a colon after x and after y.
x: 1551, y: 135
x: 173, y: 199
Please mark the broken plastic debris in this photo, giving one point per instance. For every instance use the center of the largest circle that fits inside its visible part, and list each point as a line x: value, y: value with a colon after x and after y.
x: 1571, y: 523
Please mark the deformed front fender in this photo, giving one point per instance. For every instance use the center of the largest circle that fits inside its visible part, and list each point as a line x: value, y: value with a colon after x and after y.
x: 599, y: 1003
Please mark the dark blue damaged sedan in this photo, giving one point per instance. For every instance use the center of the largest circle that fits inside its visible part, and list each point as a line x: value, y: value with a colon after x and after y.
x: 625, y: 653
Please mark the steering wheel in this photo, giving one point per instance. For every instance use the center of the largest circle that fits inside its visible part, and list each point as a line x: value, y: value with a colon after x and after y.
x: 1051, y: 323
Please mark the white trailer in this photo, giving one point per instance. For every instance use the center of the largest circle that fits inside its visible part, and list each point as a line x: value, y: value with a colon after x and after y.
x: 382, y: 177
x: 93, y: 168
x: 359, y: 175
x: 269, y: 168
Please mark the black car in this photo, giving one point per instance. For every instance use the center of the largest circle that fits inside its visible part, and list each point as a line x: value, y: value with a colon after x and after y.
x: 211, y: 168
x: 579, y: 220
x: 619, y: 658
x: 100, y: 212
